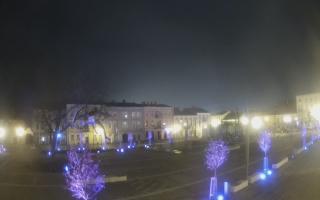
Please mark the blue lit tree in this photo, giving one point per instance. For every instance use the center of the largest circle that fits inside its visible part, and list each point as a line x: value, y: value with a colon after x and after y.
x: 304, y: 136
x: 216, y: 155
x: 265, y: 145
x: 83, y: 176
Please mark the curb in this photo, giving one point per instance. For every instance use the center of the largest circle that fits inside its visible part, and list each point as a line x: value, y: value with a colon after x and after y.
x: 280, y: 164
x: 115, y: 179
x: 241, y: 185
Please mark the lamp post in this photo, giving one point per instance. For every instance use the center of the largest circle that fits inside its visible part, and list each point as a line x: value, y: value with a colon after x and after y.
x: 245, y: 122
x: 19, y: 132
x: 256, y: 123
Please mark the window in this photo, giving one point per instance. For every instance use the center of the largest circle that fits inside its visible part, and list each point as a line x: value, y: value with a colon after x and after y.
x: 124, y: 124
x: 72, y: 138
x: 78, y: 138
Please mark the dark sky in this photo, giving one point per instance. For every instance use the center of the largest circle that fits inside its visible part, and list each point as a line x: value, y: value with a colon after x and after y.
x: 217, y: 54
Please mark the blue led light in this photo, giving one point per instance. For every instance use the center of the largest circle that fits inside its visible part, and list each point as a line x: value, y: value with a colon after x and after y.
x: 49, y: 153
x: 269, y: 172
x: 263, y: 176
x: 121, y: 150
x: 66, y: 168
x: 59, y: 135
x: 98, y: 152
x: 220, y: 197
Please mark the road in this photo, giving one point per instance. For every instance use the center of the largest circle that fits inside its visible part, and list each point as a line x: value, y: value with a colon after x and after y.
x: 152, y: 174
x: 299, y: 179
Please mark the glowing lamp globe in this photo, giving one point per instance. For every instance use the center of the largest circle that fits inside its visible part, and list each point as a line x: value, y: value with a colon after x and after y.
x: 19, y: 131
x: 256, y: 123
x: 287, y: 119
x: 244, y: 120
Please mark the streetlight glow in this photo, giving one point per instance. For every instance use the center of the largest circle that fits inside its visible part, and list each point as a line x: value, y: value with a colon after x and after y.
x: 215, y: 123
x: 19, y: 131
x: 244, y: 120
x: 287, y: 119
x: 99, y: 130
x: 256, y: 122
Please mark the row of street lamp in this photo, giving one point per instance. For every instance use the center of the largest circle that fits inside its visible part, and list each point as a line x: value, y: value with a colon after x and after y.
x: 20, y: 132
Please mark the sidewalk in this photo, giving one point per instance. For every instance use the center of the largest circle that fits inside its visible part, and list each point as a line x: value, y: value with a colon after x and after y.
x: 299, y: 179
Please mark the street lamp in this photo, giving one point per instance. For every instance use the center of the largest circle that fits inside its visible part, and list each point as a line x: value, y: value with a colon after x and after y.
x: 287, y: 119
x: 19, y: 131
x: 245, y: 122
x: 256, y: 123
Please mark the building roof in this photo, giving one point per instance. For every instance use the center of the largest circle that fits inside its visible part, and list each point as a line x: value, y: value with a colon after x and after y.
x: 133, y: 104
x: 309, y: 94
x: 232, y: 115
x: 189, y: 111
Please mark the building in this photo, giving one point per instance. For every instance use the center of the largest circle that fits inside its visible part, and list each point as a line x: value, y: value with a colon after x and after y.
x: 120, y: 122
x: 192, y: 122
x: 305, y: 104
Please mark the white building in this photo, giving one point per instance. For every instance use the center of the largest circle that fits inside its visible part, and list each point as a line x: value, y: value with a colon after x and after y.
x: 192, y: 123
x: 305, y: 103
x: 117, y: 121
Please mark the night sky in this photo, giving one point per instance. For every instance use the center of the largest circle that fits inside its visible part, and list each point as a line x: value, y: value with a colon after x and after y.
x: 217, y: 54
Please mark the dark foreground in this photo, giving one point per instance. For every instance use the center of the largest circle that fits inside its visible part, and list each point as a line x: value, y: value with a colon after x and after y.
x: 154, y: 174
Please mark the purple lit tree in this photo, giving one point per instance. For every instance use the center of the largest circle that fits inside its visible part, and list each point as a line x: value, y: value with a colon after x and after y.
x: 83, y: 176
x: 150, y: 136
x: 264, y: 142
x: 130, y: 139
x: 304, y: 136
x: 216, y: 155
